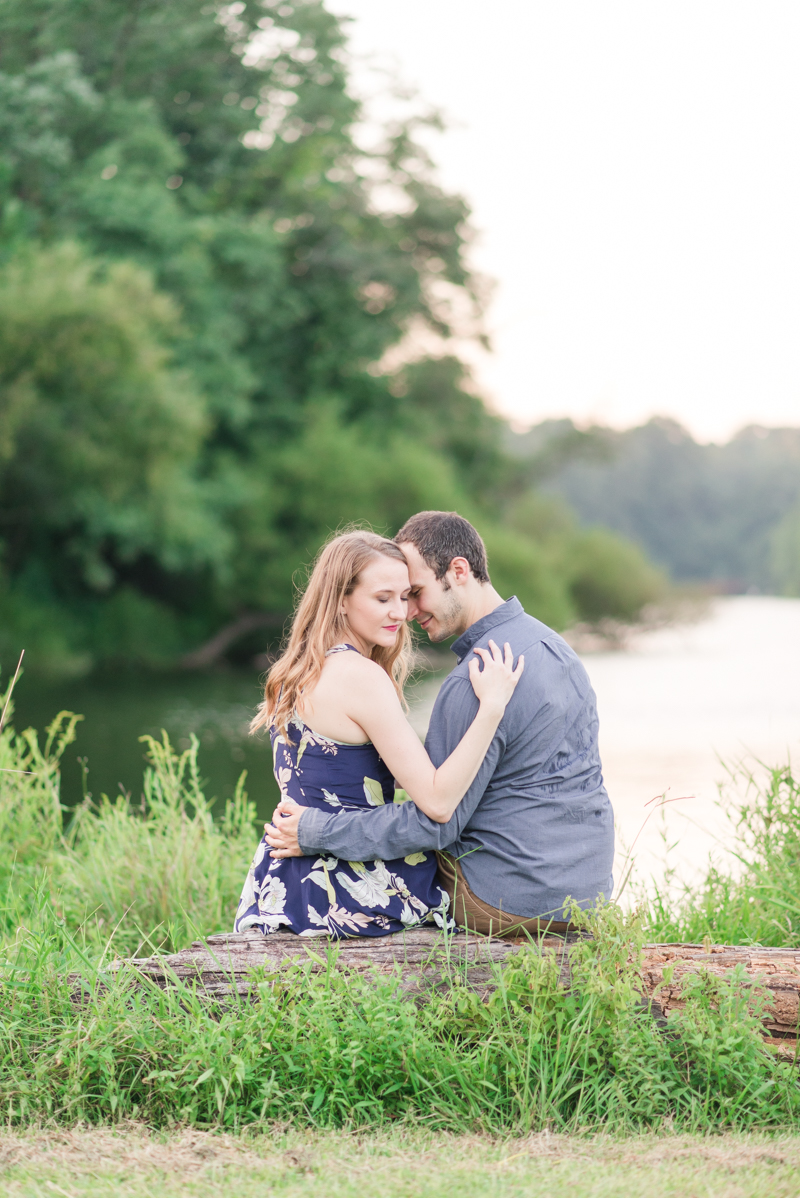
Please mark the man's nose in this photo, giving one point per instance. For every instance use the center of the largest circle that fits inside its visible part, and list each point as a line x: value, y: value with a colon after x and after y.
x: 413, y: 609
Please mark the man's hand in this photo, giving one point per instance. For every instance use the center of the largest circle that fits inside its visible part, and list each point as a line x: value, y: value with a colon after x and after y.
x: 282, y: 834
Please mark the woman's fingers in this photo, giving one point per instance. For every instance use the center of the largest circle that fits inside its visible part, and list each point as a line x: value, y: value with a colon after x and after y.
x: 520, y: 666
x: 493, y: 656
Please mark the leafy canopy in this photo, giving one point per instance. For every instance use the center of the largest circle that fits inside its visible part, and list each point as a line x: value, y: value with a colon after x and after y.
x: 202, y: 273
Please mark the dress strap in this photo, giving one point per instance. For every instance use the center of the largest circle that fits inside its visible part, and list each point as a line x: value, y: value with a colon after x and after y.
x: 341, y: 649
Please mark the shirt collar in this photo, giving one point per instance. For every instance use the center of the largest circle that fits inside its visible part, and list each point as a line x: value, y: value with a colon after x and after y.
x: 506, y: 611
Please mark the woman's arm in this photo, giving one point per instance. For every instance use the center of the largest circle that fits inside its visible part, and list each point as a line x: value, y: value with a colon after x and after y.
x: 371, y: 701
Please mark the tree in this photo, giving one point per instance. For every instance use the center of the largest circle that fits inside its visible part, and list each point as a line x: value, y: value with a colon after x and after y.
x: 785, y: 556
x: 99, y: 435
x: 208, y: 278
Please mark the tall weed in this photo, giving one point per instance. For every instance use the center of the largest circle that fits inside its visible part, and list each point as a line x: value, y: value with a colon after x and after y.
x: 162, y: 870
x: 152, y: 872
x: 758, y: 900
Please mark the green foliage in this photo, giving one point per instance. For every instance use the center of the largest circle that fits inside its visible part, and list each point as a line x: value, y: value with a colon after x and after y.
x: 31, y: 824
x: 520, y: 564
x: 202, y: 278
x: 150, y: 870
x: 318, y: 1047
x: 594, y: 574
x: 155, y: 870
x: 611, y: 577
x: 100, y: 438
x: 756, y: 903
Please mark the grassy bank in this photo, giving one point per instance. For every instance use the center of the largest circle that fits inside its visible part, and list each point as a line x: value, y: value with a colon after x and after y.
x: 327, y: 1050
x: 318, y: 1049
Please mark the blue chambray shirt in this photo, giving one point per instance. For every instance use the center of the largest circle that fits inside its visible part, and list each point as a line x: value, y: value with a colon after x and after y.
x: 536, y: 826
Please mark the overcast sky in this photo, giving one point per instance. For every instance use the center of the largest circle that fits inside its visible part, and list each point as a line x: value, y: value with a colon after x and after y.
x: 634, y: 173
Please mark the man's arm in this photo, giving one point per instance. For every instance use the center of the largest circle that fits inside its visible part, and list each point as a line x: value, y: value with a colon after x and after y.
x: 398, y: 829
x: 394, y: 830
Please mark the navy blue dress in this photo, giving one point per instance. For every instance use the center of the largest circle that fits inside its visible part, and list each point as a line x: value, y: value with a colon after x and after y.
x: 323, y: 896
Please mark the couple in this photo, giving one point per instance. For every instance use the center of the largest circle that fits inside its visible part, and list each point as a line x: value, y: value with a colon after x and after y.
x: 502, y: 817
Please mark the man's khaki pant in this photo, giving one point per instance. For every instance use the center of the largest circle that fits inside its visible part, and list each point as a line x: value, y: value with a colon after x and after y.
x: 471, y: 912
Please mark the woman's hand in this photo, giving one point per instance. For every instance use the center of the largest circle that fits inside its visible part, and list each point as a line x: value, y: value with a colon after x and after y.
x: 282, y: 834
x: 495, y: 683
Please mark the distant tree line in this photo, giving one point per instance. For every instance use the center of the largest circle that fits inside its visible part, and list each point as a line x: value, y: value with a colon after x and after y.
x: 201, y: 276
x: 722, y: 514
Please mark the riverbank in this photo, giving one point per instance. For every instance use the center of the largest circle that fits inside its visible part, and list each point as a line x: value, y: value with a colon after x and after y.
x: 320, y: 1048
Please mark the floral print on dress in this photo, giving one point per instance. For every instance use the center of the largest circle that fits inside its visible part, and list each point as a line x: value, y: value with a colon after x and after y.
x: 324, y: 896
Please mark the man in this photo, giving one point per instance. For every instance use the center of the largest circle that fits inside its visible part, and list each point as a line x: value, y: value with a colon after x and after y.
x: 535, y: 828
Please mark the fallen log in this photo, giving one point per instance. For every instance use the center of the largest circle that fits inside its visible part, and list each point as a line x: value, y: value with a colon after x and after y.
x: 223, y: 965
x: 773, y: 971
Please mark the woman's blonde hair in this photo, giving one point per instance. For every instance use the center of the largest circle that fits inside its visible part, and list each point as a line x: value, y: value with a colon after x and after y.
x: 319, y: 624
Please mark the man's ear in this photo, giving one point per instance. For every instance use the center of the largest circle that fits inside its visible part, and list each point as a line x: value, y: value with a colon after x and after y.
x: 459, y: 571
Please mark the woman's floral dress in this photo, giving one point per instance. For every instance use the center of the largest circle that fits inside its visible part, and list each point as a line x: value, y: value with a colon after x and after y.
x: 323, y: 896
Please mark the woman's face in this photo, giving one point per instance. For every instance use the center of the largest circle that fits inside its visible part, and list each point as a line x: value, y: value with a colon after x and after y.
x: 378, y: 605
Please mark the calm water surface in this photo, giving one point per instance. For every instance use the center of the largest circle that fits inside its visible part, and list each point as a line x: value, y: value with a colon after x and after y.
x: 118, y: 709
x: 681, y: 705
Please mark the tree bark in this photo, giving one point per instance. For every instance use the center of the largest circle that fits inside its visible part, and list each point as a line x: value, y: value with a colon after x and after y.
x: 775, y: 972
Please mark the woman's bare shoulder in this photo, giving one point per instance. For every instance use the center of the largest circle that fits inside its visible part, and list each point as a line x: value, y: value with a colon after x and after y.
x: 362, y: 671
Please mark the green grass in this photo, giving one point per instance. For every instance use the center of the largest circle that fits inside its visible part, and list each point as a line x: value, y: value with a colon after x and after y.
x: 399, y: 1163
x: 319, y: 1048
x: 140, y: 873
x: 83, y: 1044
x: 756, y: 898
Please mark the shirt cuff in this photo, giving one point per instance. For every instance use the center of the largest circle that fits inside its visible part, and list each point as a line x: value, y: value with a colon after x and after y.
x: 310, y: 829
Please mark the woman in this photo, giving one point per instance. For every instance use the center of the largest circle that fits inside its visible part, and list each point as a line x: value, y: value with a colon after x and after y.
x: 333, y: 706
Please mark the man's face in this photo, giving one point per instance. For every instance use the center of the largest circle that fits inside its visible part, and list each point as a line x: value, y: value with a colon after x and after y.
x: 432, y: 602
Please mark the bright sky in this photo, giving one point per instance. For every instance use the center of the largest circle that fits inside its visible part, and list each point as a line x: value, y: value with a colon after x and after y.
x: 634, y: 172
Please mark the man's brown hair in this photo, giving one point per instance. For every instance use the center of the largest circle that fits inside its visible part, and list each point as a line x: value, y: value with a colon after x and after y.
x: 438, y: 537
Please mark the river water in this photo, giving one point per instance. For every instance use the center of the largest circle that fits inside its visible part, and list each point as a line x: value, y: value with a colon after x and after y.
x: 674, y: 705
